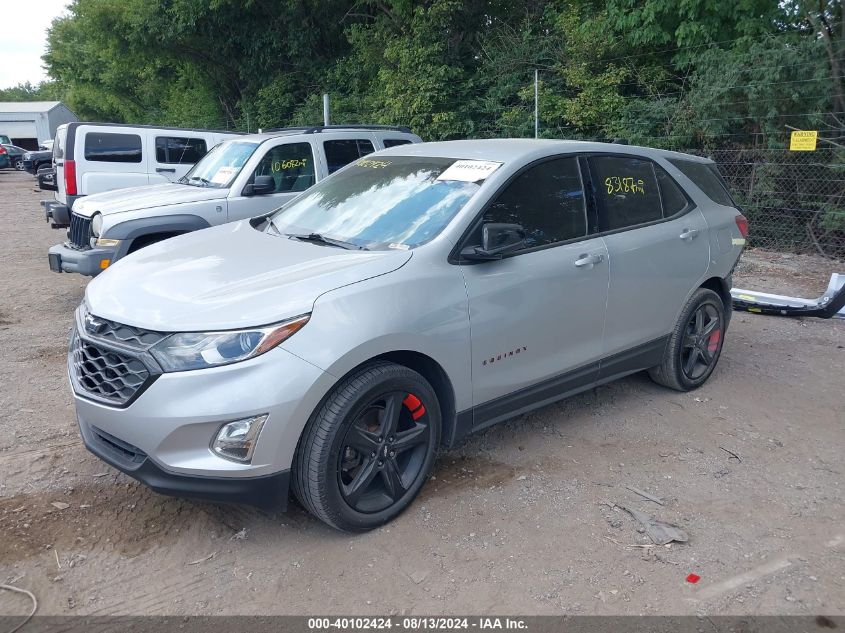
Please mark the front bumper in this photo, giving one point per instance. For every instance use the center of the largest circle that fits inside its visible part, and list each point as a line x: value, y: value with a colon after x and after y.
x: 163, y: 437
x: 64, y: 259
x: 268, y: 492
x: 57, y: 214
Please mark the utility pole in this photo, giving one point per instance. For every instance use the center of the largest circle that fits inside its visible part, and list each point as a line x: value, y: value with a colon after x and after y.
x: 326, y: 109
x: 536, y: 104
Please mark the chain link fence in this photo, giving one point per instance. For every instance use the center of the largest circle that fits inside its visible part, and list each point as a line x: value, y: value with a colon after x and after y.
x: 794, y: 201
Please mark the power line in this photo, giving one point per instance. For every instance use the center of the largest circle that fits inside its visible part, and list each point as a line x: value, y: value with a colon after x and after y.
x: 685, y: 79
x: 702, y: 45
x: 716, y: 89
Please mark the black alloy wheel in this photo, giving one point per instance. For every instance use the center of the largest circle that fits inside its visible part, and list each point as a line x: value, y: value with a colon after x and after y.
x: 383, y: 451
x: 695, y: 344
x: 368, y: 449
x: 701, y: 341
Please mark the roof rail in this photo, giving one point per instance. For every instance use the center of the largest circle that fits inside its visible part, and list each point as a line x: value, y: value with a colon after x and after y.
x: 313, y: 129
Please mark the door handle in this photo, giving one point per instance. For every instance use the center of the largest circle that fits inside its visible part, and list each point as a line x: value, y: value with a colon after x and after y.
x: 587, y: 260
x: 688, y: 234
x: 171, y: 170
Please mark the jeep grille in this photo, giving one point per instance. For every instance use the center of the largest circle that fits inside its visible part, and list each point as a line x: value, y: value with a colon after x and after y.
x: 79, y: 233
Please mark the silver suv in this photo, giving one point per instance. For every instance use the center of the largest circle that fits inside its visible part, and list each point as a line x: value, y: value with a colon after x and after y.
x: 239, y: 178
x: 421, y: 293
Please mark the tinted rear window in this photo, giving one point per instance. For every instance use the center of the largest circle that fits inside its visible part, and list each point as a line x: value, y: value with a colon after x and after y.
x: 113, y: 148
x: 393, y: 142
x: 706, y: 177
x: 342, y: 152
x: 179, y: 150
x: 59, y: 145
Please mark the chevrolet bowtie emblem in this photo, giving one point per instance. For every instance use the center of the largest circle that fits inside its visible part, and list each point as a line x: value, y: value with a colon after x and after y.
x: 92, y: 324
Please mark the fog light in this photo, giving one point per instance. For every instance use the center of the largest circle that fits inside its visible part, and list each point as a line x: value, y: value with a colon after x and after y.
x: 236, y: 440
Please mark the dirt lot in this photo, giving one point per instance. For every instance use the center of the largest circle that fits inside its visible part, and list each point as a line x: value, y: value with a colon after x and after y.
x: 518, y: 519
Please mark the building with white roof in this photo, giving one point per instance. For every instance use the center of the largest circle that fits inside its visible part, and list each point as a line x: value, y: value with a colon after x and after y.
x: 29, y: 123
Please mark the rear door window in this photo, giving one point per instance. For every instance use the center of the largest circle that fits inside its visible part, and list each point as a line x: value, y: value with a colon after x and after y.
x: 341, y: 152
x: 108, y: 147
x: 707, y: 178
x: 175, y: 150
x: 626, y: 191
x: 291, y: 166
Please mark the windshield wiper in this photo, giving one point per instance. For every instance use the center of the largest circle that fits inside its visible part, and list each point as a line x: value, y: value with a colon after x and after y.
x: 322, y: 239
x: 205, y: 183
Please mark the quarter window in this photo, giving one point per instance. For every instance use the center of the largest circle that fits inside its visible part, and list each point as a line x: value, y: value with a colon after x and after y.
x: 547, y: 200
x: 341, y: 152
x: 707, y: 178
x: 290, y: 165
x: 674, y: 200
x: 174, y: 150
x: 108, y: 147
x: 626, y: 190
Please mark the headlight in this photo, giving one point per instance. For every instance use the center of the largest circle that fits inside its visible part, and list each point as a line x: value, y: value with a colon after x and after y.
x: 96, y: 224
x: 198, y: 350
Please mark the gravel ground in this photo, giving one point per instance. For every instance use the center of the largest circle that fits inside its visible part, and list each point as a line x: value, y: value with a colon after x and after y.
x: 523, y: 518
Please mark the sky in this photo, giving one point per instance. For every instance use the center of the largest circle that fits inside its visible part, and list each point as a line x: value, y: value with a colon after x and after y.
x: 24, y: 38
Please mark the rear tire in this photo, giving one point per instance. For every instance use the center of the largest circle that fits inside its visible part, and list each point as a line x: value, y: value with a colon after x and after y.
x: 695, y: 344
x: 367, y: 451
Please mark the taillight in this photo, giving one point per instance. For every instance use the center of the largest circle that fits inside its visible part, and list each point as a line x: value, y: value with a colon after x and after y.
x: 2, y: 150
x: 742, y: 225
x: 70, y: 177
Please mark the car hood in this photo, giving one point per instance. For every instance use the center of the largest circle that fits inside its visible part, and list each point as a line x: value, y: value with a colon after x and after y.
x: 145, y: 197
x: 228, y: 277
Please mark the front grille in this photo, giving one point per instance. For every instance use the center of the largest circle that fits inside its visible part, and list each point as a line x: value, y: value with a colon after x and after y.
x: 123, y: 449
x: 106, y: 374
x: 79, y: 233
x: 119, y: 333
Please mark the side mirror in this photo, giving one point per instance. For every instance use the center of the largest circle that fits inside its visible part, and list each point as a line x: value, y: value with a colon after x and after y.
x: 497, y: 240
x: 262, y: 185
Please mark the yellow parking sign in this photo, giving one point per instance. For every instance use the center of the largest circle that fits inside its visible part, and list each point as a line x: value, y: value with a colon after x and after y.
x: 803, y: 141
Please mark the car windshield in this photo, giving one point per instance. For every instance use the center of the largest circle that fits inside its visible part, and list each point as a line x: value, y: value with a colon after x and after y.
x: 378, y: 203
x: 220, y: 165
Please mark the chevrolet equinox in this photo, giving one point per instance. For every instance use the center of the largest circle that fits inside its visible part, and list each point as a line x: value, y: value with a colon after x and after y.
x: 421, y: 293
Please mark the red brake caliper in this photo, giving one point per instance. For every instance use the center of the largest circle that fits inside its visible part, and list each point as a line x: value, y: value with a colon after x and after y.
x: 713, y: 341
x: 415, y: 406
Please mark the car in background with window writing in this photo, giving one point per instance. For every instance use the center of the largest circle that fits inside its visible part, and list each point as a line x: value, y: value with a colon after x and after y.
x: 91, y: 158
x: 240, y: 178
x: 419, y: 294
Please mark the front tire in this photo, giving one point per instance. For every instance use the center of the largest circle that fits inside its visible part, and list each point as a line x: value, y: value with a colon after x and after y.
x: 367, y: 451
x: 695, y: 344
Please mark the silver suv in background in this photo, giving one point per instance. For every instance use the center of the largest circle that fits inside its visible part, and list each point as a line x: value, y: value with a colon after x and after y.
x: 239, y: 178
x: 417, y: 295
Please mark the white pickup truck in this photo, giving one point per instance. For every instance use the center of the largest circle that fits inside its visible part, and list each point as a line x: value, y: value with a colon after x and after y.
x: 239, y: 178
